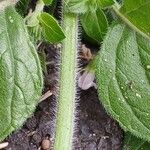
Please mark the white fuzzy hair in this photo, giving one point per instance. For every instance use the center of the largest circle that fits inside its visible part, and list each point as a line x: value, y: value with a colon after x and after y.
x: 5, y: 3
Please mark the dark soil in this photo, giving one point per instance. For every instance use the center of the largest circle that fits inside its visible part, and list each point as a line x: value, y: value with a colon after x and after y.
x: 95, y: 130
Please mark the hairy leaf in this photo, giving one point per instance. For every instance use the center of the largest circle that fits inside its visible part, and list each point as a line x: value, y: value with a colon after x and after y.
x: 52, y: 31
x: 138, y: 13
x: 20, y: 73
x: 133, y: 143
x: 95, y: 24
x: 77, y: 6
x: 5, y: 3
x: 82, y: 6
x: 123, y: 78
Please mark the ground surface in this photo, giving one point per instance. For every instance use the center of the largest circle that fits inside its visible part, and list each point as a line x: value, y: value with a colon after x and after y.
x: 95, y: 129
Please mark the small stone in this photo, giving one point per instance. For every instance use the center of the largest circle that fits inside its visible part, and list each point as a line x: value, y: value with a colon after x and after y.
x: 45, y: 144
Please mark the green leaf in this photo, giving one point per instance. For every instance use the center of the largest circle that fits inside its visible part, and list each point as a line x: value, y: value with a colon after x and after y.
x: 47, y: 2
x: 133, y: 143
x: 5, y: 3
x: 105, y: 3
x: 20, y: 73
x: 82, y: 6
x: 123, y: 79
x: 77, y: 6
x: 95, y: 24
x: 137, y: 13
x: 52, y: 31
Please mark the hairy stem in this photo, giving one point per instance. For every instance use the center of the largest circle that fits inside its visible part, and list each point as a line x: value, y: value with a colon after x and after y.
x: 67, y: 92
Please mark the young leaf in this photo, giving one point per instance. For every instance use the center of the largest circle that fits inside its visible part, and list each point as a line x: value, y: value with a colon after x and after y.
x: 95, y: 24
x: 81, y: 7
x: 20, y: 73
x: 52, y: 31
x: 136, y: 14
x: 77, y: 6
x: 123, y: 78
x: 133, y: 143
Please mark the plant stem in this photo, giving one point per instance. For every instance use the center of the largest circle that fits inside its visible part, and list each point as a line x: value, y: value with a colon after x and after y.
x: 67, y: 93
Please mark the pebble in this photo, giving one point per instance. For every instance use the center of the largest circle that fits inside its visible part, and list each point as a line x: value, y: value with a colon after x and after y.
x: 45, y: 144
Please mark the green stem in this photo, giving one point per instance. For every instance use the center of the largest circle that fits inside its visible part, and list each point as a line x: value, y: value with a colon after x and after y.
x: 39, y: 6
x: 67, y: 93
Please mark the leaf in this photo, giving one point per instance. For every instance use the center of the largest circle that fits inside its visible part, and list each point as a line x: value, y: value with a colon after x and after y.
x: 138, y: 13
x: 20, y: 73
x: 133, y: 143
x: 95, y: 24
x: 77, y: 6
x: 5, y: 3
x: 52, y: 31
x: 105, y: 3
x: 123, y: 79
x: 83, y: 6
x: 47, y: 2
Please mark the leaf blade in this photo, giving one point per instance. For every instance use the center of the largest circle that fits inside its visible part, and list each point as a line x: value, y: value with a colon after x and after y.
x: 95, y: 24
x: 133, y: 143
x: 52, y: 31
x: 105, y: 3
x: 137, y: 12
x: 123, y: 79
x: 77, y: 6
x: 21, y: 76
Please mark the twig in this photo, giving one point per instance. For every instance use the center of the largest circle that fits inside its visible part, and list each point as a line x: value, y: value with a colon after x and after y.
x: 3, y: 145
x: 45, y: 96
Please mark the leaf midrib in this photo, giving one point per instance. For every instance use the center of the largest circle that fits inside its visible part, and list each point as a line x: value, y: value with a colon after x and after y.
x: 135, y: 9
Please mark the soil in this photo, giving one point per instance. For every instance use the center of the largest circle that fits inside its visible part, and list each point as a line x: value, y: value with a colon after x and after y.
x: 95, y: 129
